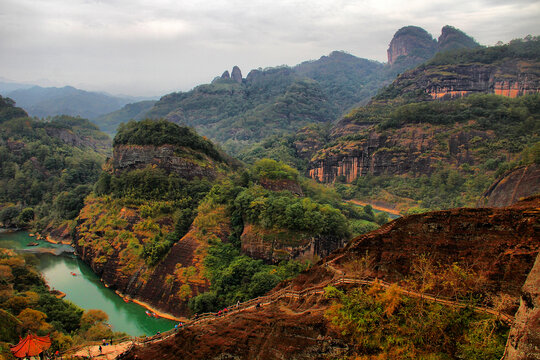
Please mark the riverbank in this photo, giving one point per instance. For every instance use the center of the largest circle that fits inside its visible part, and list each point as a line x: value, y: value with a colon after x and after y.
x: 149, y: 307
x: 85, y: 289
x: 376, y: 206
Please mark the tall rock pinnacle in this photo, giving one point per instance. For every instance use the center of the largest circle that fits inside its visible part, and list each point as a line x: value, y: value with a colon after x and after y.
x: 236, y: 74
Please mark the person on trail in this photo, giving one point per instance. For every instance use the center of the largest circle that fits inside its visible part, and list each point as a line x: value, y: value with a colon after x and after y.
x: 100, y: 349
x: 238, y: 304
x: 258, y: 306
x: 111, y: 341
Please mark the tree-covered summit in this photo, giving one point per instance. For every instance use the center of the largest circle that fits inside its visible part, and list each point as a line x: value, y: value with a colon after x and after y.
x: 162, y: 132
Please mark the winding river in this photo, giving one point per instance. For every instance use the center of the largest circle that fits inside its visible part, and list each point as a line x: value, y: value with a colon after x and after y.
x: 57, y: 262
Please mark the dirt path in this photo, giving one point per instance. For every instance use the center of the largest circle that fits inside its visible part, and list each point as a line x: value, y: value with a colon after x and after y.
x: 376, y: 207
x: 108, y: 352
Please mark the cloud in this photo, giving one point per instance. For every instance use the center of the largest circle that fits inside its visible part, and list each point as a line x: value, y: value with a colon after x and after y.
x: 150, y: 47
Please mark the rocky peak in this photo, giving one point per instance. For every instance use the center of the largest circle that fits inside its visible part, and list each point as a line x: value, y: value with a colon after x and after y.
x: 453, y: 39
x: 411, y: 45
x: 236, y: 74
x: 226, y: 75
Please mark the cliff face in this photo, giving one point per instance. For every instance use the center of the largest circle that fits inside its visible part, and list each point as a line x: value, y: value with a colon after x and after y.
x: 524, y: 337
x: 167, y: 157
x: 411, y: 44
x: 412, y: 149
x: 275, y: 245
x: 512, y: 79
x: 521, y: 182
x: 71, y: 138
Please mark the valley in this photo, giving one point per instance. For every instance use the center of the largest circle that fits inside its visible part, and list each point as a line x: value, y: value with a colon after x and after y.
x: 342, y: 208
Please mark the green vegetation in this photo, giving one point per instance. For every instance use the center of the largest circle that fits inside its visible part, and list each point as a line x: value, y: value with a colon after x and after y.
x: 385, y: 324
x: 156, y: 195
x: 161, y: 132
x: 27, y: 305
x: 506, y: 135
x: 237, y: 277
x: 46, y: 167
x: 528, y: 48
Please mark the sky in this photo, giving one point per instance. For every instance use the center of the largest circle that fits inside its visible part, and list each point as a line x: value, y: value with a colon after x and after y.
x: 154, y: 47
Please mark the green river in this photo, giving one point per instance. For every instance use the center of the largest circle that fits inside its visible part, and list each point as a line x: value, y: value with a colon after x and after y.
x: 85, y: 289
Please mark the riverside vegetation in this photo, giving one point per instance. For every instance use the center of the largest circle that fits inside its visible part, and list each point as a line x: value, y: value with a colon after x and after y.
x: 27, y: 304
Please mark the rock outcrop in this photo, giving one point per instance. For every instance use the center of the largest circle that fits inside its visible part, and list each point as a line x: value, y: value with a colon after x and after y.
x: 69, y: 137
x: 276, y: 245
x: 236, y: 74
x: 509, y: 188
x: 412, y: 149
x: 524, y: 337
x: 411, y: 44
x: 513, y: 79
x: 167, y: 157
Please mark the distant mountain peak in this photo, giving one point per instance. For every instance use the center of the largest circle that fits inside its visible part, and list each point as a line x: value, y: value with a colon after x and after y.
x: 236, y: 74
x: 226, y: 75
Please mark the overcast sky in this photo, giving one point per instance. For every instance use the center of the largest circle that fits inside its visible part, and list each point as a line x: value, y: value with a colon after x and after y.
x: 153, y: 47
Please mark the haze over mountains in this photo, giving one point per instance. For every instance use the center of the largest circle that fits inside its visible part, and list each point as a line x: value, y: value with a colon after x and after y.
x: 231, y: 109
x: 52, y: 101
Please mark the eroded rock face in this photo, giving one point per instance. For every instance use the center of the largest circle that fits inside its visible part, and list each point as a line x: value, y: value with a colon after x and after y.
x: 132, y: 157
x: 69, y: 137
x: 300, y: 333
x: 524, y: 337
x: 500, y: 245
x: 512, y: 78
x: 171, y: 282
x: 411, y: 149
x: 275, y: 245
x: 412, y: 44
x: 519, y: 183
x: 225, y: 75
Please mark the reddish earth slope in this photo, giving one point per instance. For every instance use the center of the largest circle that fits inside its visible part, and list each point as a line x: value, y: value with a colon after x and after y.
x: 501, y: 244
